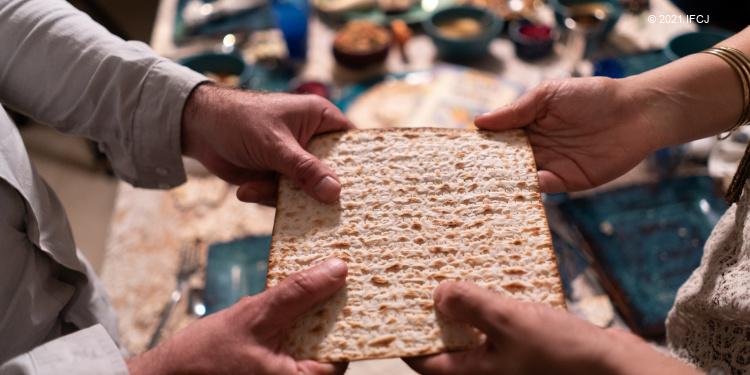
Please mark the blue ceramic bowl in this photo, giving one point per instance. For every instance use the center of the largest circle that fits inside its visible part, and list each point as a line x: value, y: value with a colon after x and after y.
x: 690, y: 43
x: 562, y: 9
x: 219, y: 64
x: 462, y: 49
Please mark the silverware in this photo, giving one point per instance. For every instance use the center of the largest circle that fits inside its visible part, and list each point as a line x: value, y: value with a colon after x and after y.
x: 189, y: 264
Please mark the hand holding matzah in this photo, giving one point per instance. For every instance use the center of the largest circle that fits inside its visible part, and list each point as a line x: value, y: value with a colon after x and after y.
x: 531, y: 338
x: 246, y: 338
x: 581, y: 136
x: 245, y: 138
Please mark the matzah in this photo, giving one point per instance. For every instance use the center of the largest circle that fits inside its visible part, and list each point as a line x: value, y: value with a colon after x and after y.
x: 417, y: 207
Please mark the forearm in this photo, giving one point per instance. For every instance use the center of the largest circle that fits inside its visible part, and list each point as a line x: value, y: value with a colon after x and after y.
x: 63, y: 69
x: 89, y: 351
x: 632, y: 356
x: 694, y: 97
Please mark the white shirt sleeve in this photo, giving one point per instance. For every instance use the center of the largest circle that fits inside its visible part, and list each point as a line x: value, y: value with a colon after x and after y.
x: 88, y: 351
x: 61, y: 68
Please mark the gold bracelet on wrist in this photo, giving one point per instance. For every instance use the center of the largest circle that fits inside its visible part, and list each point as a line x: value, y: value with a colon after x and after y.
x: 744, y: 67
x: 745, y: 63
x: 741, y: 64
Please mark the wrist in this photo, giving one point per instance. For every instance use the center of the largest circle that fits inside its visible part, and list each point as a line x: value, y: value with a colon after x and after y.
x: 150, y: 362
x: 695, y: 97
x: 195, y: 118
x: 653, y: 105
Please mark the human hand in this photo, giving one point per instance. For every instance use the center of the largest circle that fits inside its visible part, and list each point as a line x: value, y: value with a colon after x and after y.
x: 247, y: 338
x: 528, y: 338
x: 584, y: 131
x: 245, y: 138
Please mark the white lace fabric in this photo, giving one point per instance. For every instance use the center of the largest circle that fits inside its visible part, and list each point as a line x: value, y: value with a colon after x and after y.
x: 709, y: 325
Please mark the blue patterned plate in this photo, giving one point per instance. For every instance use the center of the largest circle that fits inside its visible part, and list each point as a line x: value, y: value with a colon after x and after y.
x: 646, y: 241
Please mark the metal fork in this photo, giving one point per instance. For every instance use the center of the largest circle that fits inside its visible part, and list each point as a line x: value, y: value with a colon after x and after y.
x: 189, y: 264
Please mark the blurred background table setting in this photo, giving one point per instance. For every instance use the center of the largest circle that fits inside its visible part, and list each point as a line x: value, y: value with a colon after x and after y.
x: 412, y: 63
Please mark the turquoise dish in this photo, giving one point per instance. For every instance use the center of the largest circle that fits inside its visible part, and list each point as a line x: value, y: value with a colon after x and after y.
x: 690, y: 43
x: 646, y: 241
x: 562, y: 10
x: 219, y: 64
x: 235, y: 269
x: 466, y: 48
x: 253, y: 19
x: 413, y: 15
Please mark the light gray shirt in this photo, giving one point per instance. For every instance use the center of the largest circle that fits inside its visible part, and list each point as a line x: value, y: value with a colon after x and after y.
x: 61, y: 68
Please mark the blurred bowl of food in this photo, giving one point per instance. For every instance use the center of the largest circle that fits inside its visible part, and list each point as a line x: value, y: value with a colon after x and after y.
x: 532, y: 40
x: 587, y: 12
x: 505, y: 9
x: 361, y: 44
x: 462, y: 33
x: 224, y: 69
x: 693, y: 42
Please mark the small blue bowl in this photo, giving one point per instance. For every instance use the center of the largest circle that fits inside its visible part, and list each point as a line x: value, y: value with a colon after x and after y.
x: 694, y: 42
x: 462, y: 49
x: 219, y: 64
x: 563, y: 9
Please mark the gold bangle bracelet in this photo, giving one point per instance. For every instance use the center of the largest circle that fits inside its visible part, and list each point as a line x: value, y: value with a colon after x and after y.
x: 740, y: 67
x: 744, y: 67
x: 745, y: 62
x: 739, y: 63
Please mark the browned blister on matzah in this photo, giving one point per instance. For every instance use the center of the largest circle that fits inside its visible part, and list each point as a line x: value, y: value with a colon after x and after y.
x: 418, y: 207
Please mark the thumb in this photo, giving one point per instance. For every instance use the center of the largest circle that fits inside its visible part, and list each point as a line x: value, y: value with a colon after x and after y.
x: 301, y: 290
x: 525, y: 110
x: 311, y: 174
x: 469, y: 303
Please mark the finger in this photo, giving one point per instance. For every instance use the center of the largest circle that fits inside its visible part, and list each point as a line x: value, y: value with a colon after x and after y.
x: 308, y: 367
x: 519, y: 113
x: 551, y: 183
x: 234, y: 174
x: 263, y: 192
x: 311, y: 174
x: 302, y: 290
x: 467, y: 302
x: 333, y: 119
x: 456, y: 363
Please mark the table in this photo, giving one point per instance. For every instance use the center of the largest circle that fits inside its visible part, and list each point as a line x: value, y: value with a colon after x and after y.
x: 148, y: 227
x: 147, y: 231
x: 631, y: 34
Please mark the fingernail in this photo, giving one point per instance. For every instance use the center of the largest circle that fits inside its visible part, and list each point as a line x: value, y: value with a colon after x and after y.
x: 327, y: 189
x: 247, y: 194
x: 335, y: 268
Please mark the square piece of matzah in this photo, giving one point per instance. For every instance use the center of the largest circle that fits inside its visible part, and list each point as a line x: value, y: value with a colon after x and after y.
x: 417, y: 207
